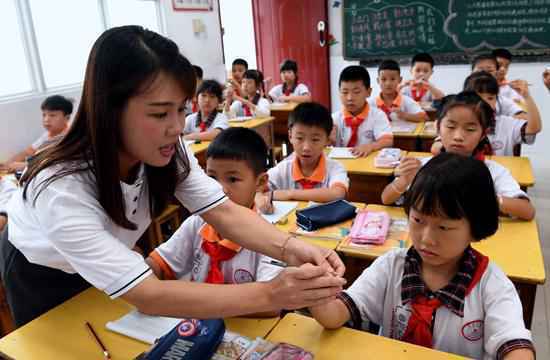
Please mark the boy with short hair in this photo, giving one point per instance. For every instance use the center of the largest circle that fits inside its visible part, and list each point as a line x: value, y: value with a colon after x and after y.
x: 390, y: 101
x: 307, y: 174
x: 419, y: 88
x: 359, y: 126
x: 504, y: 59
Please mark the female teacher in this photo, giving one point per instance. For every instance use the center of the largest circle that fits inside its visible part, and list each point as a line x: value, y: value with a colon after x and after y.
x: 85, y: 201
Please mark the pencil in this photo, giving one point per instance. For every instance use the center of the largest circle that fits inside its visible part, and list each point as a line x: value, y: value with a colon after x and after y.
x: 98, y: 341
x: 275, y: 262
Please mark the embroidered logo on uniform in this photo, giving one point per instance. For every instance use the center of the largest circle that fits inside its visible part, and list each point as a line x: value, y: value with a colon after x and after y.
x: 497, y: 145
x: 188, y: 327
x: 369, y: 134
x: 400, y: 320
x: 473, y: 331
x: 242, y: 276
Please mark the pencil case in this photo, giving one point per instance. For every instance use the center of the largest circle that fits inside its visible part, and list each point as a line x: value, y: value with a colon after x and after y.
x: 370, y: 227
x: 319, y: 216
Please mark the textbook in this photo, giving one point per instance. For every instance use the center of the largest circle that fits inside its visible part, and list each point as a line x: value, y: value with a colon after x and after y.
x: 240, y: 118
x: 281, y: 209
x: 341, y: 153
x: 144, y: 328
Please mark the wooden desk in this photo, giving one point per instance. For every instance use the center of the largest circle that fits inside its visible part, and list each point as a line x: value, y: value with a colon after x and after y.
x: 280, y: 112
x: 60, y: 333
x: 345, y: 343
x: 199, y: 150
x: 407, y: 141
x: 515, y: 248
x: 426, y: 137
x: 264, y: 127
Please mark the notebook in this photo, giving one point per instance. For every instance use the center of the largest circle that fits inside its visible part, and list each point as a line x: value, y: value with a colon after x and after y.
x: 281, y: 210
x: 240, y: 118
x: 341, y: 153
x: 144, y: 328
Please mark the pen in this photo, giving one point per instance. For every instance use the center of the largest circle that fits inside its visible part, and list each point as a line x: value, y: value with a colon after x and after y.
x: 275, y: 262
x: 106, y: 354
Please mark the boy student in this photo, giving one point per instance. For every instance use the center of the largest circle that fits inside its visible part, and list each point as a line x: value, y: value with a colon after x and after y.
x: 395, y: 105
x: 362, y: 127
x: 56, y: 113
x: 508, y: 89
x: 238, y: 67
x: 237, y: 159
x: 307, y: 174
x: 441, y: 293
x: 419, y: 88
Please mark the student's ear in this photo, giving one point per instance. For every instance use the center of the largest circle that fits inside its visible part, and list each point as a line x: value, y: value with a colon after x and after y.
x: 262, y: 181
x: 369, y: 91
x: 400, y: 79
x: 290, y: 134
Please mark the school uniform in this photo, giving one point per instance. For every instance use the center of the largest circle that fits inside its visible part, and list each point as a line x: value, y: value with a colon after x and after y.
x: 508, y: 92
x: 365, y: 128
x: 263, y: 108
x: 192, y: 126
x: 288, y: 175
x: 508, y: 133
x: 401, y: 102
x: 507, y: 107
x: 277, y: 91
x: 191, y: 107
x: 477, y: 315
x: 66, y: 236
x: 7, y: 189
x: 45, y: 138
x: 419, y: 94
x: 196, y: 252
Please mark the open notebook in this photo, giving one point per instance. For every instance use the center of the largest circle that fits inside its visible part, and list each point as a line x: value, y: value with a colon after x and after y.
x: 281, y: 210
x: 341, y: 153
x: 142, y: 327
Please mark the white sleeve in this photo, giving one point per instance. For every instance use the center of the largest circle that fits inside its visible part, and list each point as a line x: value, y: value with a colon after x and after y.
x: 198, y: 192
x: 263, y: 108
x: 265, y: 271
x: 235, y: 109
x: 275, y: 177
x: 411, y: 106
x: 220, y: 122
x: 301, y: 90
x: 514, y: 128
x: 7, y: 189
x: 337, y: 174
x: 509, y: 107
x: 276, y: 92
x: 503, y: 311
x: 381, y: 124
x: 40, y: 141
x: 505, y: 184
x: 189, y: 124
x: 338, y: 124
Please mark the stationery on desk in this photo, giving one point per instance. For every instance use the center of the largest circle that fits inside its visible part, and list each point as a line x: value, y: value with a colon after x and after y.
x: 281, y: 209
x: 400, y: 126
x: 341, y: 153
x: 142, y: 327
x: 240, y: 118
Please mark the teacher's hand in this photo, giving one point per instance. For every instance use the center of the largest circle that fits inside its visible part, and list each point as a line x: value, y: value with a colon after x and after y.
x: 298, y: 252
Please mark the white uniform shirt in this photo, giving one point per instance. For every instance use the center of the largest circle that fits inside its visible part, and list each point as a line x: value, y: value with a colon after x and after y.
x: 184, y: 256
x: 262, y: 108
x: 507, y: 134
x: 374, y: 127
x: 507, y: 107
x: 493, y: 313
x: 7, y: 189
x: 277, y: 91
x: 508, y: 92
x: 69, y: 230
x: 220, y: 122
x: 328, y: 173
x: 407, y: 91
x: 401, y: 102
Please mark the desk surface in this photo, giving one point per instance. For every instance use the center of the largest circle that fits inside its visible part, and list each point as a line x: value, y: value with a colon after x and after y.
x: 412, y: 134
x: 61, y: 334
x: 425, y: 132
x: 252, y: 123
x: 198, y: 148
x: 346, y: 343
x: 365, y: 165
x: 515, y: 248
x: 289, y: 106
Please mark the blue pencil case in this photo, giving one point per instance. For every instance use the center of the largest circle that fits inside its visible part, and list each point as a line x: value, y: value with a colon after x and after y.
x: 319, y: 216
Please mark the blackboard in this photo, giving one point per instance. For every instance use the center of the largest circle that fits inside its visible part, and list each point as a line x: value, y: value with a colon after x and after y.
x: 450, y: 30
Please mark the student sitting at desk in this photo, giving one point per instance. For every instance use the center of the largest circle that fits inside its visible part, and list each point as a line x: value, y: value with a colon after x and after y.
x: 441, y: 293
x: 238, y: 68
x: 237, y: 159
x: 359, y: 125
x: 395, y: 105
x: 307, y: 174
x: 419, y: 88
x: 463, y: 124
x: 208, y: 122
x: 251, y: 103
x: 290, y: 89
x: 504, y: 59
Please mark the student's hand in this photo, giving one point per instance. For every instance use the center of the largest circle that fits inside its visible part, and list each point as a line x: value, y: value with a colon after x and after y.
x: 299, y: 252
x: 400, y: 114
x: 15, y: 166
x: 264, y: 202
x: 436, y: 148
x: 284, y: 195
x: 191, y: 136
x: 3, y: 222
x: 362, y: 150
x: 405, y: 84
x: 234, y: 83
x: 408, y: 167
x: 521, y: 86
x: 304, y: 286
x: 229, y: 94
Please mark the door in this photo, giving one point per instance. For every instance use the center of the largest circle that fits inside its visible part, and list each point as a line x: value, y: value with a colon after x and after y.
x: 295, y: 29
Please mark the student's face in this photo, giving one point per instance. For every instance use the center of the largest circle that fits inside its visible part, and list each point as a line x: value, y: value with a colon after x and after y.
x: 248, y: 87
x: 460, y: 131
x: 490, y: 99
x: 388, y: 81
x: 353, y: 95
x: 237, y: 179
x: 151, y: 123
x: 486, y: 65
x: 308, y: 143
x: 439, y: 240
x: 237, y: 72
x: 421, y: 71
x: 54, y: 121
x: 503, y: 66
x: 208, y: 102
x: 288, y: 76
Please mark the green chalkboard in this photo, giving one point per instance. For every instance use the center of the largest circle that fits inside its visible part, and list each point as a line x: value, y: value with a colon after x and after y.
x: 452, y: 29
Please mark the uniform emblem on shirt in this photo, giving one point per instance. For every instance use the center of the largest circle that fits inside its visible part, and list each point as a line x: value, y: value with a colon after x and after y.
x: 369, y: 134
x: 400, y: 320
x: 242, y: 276
x: 473, y: 330
x: 188, y: 327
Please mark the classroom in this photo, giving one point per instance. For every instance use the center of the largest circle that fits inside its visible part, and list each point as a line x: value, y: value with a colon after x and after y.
x: 274, y: 179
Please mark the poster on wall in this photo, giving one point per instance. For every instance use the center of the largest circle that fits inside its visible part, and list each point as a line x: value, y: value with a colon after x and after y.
x: 192, y: 5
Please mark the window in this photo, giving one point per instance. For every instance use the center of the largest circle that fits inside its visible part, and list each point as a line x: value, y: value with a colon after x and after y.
x: 143, y: 13
x: 14, y: 71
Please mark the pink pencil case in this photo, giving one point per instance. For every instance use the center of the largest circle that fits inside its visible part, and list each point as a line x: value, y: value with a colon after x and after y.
x: 370, y: 227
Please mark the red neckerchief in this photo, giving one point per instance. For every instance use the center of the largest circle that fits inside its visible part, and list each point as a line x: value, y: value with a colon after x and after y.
x: 218, y: 250
x: 354, y: 122
x: 308, y: 184
x: 417, y: 96
x: 246, y: 110
x: 194, y: 106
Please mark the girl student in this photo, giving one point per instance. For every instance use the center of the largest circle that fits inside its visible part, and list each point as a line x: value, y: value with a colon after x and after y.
x: 463, y: 126
x: 290, y: 90
x: 252, y: 103
x: 85, y: 201
x: 207, y: 122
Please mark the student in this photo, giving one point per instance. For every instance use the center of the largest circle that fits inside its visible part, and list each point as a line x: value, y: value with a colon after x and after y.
x: 307, y: 174
x: 363, y: 128
x: 419, y: 88
x: 441, y: 293
x: 56, y: 113
x: 251, y: 103
x: 505, y: 106
x: 238, y: 68
x: 290, y: 90
x: 208, y: 122
x: 508, y: 89
x: 463, y: 124
x: 192, y: 105
x: 86, y: 200
x: 508, y: 131
x: 390, y: 101
x: 7, y: 189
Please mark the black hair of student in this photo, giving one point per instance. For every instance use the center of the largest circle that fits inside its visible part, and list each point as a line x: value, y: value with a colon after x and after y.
x: 481, y: 82
x: 311, y: 114
x: 502, y: 53
x: 468, y: 193
x: 211, y: 87
x: 198, y: 71
x: 57, y: 103
x: 423, y: 57
x: 242, y: 144
x: 389, y: 64
x: 239, y: 61
x: 258, y: 78
x: 355, y: 73
x: 94, y: 140
x: 483, y: 57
